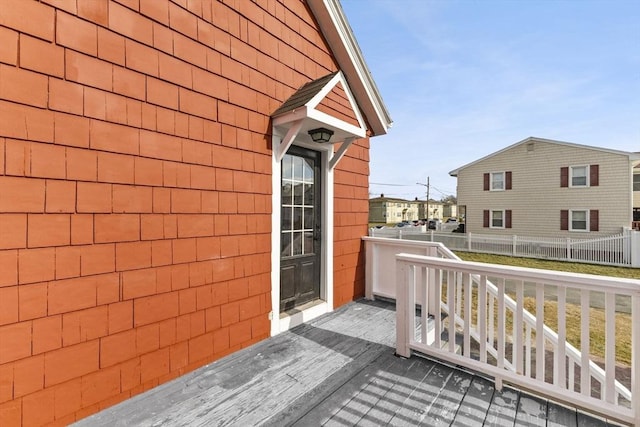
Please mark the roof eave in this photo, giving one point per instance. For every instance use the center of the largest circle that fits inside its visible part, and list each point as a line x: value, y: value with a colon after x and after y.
x: 335, y: 28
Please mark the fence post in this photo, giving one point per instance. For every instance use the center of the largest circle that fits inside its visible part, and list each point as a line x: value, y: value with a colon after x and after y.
x: 514, y: 251
x: 469, y: 241
x: 568, y: 248
x: 634, y: 247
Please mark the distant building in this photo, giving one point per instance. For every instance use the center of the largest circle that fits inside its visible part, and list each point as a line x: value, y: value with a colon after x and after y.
x: 391, y: 210
x: 541, y: 187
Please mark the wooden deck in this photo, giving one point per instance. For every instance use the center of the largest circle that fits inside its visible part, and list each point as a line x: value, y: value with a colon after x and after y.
x: 339, y: 370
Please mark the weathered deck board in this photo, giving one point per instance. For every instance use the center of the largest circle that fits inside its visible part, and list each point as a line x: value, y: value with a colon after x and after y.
x: 339, y: 370
x: 561, y: 416
x: 474, y: 406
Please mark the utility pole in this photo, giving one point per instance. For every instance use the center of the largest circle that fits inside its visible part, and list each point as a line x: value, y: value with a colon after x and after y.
x: 426, y: 185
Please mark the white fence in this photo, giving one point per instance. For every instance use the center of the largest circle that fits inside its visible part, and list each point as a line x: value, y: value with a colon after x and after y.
x: 478, y: 325
x: 620, y: 250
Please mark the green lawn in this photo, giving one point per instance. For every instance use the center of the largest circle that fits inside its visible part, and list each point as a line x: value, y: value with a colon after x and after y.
x: 575, y: 267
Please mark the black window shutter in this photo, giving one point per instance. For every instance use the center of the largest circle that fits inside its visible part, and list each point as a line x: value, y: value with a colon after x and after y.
x: 594, y: 217
x: 486, y: 182
x: 507, y: 179
x: 507, y: 218
x: 564, y: 219
x: 564, y: 177
x: 485, y: 219
x: 594, y: 175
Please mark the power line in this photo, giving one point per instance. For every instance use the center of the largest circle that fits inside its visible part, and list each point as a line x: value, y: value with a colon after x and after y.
x: 390, y: 185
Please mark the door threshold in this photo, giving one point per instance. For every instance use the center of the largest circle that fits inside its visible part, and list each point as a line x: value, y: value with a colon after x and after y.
x: 304, y: 313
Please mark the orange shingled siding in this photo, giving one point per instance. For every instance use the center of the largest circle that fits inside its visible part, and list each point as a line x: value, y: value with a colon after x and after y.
x: 135, y: 191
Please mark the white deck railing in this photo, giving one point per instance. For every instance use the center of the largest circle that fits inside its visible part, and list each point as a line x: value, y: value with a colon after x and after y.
x: 619, y: 249
x: 497, y: 336
x: 484, y: 336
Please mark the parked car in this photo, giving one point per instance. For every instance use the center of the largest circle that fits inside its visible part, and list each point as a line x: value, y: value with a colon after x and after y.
x: 459, y: 229
x: 451, y: 220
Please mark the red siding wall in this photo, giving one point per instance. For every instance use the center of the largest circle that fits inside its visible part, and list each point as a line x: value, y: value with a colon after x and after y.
x: 135, y: 191
x: 351, y: 207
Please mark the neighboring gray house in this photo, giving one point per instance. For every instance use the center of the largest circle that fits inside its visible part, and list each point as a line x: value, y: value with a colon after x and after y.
x: 541, y: 187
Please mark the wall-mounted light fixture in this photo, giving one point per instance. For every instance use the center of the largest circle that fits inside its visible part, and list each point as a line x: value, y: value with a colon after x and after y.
x: 321, y: 135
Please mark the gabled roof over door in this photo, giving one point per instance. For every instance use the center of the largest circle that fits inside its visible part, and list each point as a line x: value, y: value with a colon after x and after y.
x: 323, y: 103
x: 336, y: 30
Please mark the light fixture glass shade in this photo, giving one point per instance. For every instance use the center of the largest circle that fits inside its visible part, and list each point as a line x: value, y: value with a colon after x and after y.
x: 321, y: 135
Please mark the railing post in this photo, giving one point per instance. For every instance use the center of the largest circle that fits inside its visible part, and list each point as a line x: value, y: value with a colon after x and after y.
x: 402, y: 318
x: 469, y: 241
x: 369, y: 275
x: 568, y: 248
x: 514, y: 251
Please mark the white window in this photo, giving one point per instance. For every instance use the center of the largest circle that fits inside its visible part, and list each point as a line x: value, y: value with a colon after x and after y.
x: 497, y: 219
x: 579, y: 176
x: 579, y: 220
x: 497, y: 181
x: 636, y: 182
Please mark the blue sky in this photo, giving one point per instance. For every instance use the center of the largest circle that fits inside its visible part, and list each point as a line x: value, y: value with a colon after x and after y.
x: 463, y: 79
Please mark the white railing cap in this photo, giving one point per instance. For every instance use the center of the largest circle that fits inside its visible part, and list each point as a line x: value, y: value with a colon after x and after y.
x: 559, y: 278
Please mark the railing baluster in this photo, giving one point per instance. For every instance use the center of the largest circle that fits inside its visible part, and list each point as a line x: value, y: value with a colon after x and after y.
x: 540, y: 356
x: 527, y: 364
x: 458, y: 293
x: 437, y: 315
x: 411, y: 301
x: 571, y: 369
x: 451, y: 285
x: 560, y: 371
x: 466, y: 281
x: 501, y: 328
x: 585, y: 344
x: 492, y: 328
x: 421, y: 290
x: 517, y: 328
x: 482, y: 317
x: 610, y: 346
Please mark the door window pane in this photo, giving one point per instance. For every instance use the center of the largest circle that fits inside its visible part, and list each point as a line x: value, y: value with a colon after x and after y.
x: 308, y: 242
x: 287, y: 223
x: 298, y: 188
x: 297, y: 218
x: 285, y: 244
x: 308, y: 194
x: 298, y: 163
x: 308, y: 219
x: 297, y: 243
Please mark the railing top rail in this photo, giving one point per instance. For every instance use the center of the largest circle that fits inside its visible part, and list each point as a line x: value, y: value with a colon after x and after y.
x: 559, y: 278
x: 398, y: 242
x: 442, y: 249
